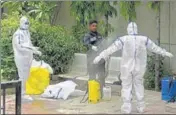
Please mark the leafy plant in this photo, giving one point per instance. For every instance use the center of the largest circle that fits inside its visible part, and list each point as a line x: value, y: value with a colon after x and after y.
x: 149, y: 78
x: 128, y: 9
x: 57, y: 45
x: 83, y: 11
x: 42, y: 11
x: 107, y: 10
x: 79, y: 31
x: 12, y: 22
x: 155, y: 5
x: 18, y: 6
x: 103, y: 26
x: 8, y: 69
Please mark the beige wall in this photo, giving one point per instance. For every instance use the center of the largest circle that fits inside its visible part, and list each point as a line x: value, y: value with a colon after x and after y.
x: 146, y: 20
x: 65, y: 18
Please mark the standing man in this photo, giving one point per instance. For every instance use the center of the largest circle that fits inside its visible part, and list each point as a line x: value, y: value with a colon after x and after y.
x: 93, y: 40
x: 133, y: 64
x: 23, y: 53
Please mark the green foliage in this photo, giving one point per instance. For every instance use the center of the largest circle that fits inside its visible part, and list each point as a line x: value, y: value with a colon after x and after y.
x: 18, y: 6
x: 128, y: 9
x: 57, y: 45
x: 8, y: 69
x: 149, y: 78
x: 154, y: 5
x: 83, y: 11
x: 105, y: 8
x: 12, y: 22
x: 103, y: 27
x: 42, y: 11
x: 78, y: 31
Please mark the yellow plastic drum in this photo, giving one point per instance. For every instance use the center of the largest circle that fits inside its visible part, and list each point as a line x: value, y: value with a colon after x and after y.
x: 94, y: 91
x: 38, y: 80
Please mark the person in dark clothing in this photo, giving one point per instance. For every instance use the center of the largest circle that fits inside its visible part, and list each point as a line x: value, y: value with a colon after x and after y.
x: 94, y: 42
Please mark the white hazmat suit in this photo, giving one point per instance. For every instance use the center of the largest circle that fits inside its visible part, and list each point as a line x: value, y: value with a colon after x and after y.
x: 23, y: 51
x: 133, y: 64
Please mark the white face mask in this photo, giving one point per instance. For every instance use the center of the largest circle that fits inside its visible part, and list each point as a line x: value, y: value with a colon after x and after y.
x: 24, y: 23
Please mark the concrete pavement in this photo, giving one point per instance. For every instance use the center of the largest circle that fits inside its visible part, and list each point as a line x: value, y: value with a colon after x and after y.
x: 154, y: 105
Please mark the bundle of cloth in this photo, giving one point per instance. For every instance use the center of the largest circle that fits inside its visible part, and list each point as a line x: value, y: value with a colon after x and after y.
x: 60, y: 90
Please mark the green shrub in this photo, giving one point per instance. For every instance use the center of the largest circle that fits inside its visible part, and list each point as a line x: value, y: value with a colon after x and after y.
x: 149, y: 78
x: 8, y: 68
x: 79, y: 31
x: 56, y: 43
x: 9, y: 25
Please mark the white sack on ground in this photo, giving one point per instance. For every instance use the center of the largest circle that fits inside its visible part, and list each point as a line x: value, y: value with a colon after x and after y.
x: 61, y: 90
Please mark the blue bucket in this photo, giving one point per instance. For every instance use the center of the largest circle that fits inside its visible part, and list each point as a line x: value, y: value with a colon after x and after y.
x: 168, y: 90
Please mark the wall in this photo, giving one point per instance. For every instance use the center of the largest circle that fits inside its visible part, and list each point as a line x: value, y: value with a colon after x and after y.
x: 147, y: 25
x: 65, y: 18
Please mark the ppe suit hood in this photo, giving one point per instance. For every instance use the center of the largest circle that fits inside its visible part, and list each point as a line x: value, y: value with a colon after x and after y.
x: 24, y: 23
x: 132, y: 28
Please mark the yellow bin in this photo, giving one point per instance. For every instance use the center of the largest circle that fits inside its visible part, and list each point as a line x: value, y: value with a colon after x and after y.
x: 38, y: 80
x: 93, y: 91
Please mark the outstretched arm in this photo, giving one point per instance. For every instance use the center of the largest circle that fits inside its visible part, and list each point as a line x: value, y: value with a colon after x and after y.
x: 32, y: 48
x: 117, y: 45
x: 18, y: 42
x: 22, y: 46
x: 151, y: 46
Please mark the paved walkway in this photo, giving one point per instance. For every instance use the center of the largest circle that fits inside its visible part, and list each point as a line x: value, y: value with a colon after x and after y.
x: 154, y: 105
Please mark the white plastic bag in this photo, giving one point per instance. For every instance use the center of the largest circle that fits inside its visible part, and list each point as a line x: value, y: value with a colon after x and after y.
x: 61, y: 90
x: 42, y: 64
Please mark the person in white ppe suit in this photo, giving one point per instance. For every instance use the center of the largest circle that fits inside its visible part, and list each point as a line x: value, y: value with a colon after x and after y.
x: 23, y: 53
x: 133, y: 64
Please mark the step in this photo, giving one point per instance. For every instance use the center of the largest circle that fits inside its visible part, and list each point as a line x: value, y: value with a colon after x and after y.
x: 109, y: 80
